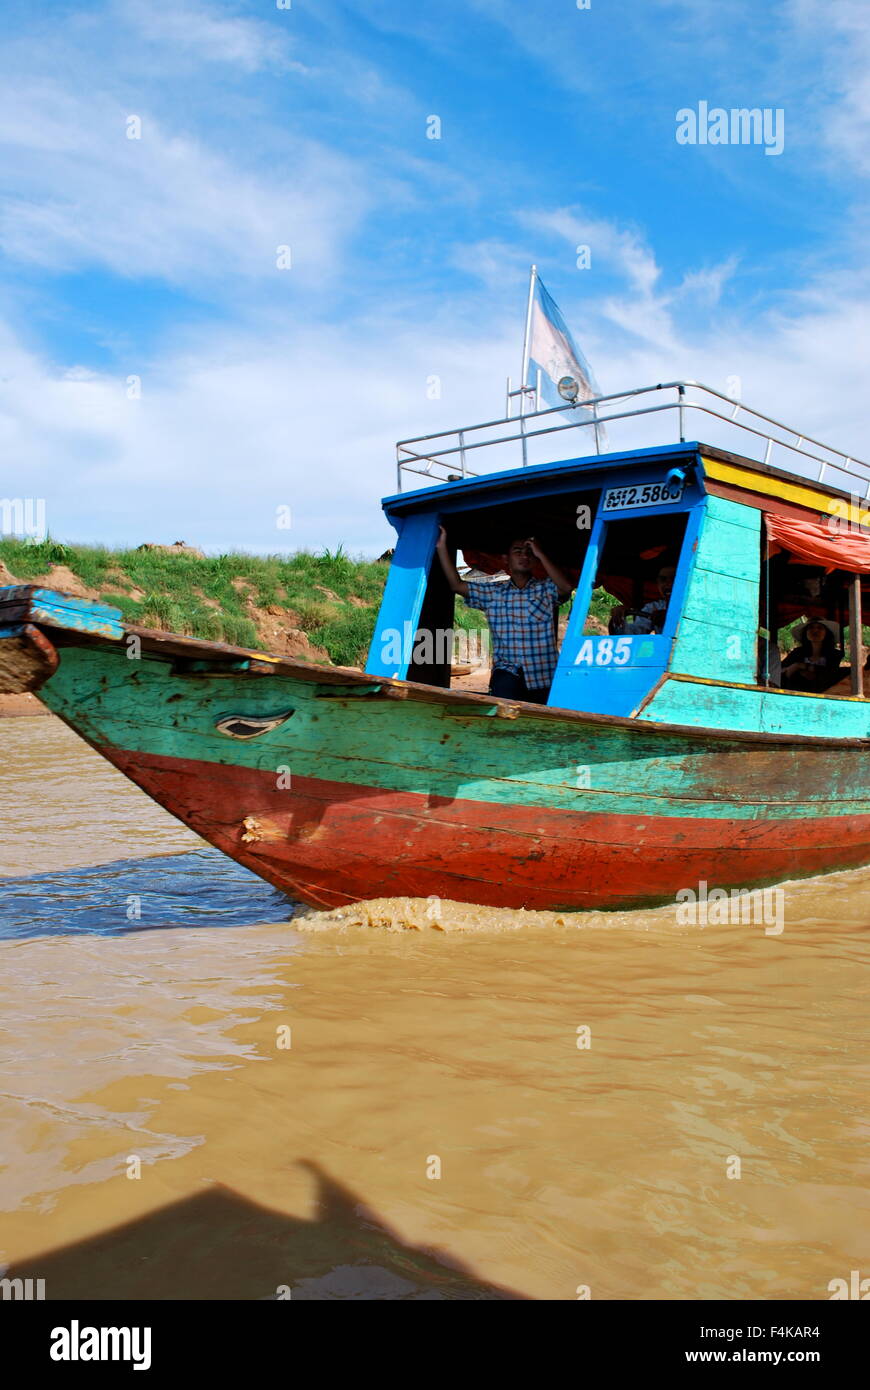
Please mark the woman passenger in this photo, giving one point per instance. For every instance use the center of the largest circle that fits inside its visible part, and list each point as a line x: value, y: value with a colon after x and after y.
x: 814, y: 665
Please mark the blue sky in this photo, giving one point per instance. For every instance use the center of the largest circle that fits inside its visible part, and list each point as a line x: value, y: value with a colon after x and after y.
x: 306, y: 127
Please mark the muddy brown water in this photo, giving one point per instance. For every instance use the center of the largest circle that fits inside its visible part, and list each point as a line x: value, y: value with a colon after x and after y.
x: 407, y: 1100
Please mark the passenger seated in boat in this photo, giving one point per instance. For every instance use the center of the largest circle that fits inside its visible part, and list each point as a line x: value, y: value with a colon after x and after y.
x: 651, y: 617
x: 814, y: 665
x: 522, y: 618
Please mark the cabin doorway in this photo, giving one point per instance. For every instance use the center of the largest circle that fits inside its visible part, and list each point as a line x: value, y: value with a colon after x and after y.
x: 452, y: 646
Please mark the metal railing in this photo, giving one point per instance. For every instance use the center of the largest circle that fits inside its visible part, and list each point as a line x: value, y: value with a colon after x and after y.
x: 747, y: 430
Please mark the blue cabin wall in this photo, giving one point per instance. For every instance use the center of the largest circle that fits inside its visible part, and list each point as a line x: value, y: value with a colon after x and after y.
x: 391, y: 646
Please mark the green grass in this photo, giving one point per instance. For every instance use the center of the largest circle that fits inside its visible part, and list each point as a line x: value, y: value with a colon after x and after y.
x: 173, y: 589
x: 469, y: 619
x: 599, y: 607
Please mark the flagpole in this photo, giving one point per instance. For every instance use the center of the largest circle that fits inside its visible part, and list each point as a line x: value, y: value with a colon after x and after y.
x: 527, y: 338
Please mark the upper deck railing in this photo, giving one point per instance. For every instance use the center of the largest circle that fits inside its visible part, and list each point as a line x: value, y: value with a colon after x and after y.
x: 520, y: 440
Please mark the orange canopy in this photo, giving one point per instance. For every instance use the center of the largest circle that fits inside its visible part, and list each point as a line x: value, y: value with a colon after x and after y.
x: 829, y: 543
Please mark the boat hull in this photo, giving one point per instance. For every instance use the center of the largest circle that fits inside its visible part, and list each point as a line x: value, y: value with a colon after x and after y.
x: 337, y: 787
x: 332, y: 843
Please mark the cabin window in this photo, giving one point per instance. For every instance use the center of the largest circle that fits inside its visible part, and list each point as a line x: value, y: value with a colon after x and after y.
x: 479, y: 538
x: 811, y: 624
x: 636, y: 572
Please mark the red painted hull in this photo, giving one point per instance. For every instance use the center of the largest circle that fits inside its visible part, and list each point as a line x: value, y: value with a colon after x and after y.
x: 333, y: 843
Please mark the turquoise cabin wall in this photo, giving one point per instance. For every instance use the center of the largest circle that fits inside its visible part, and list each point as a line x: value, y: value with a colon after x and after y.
x: 717, y: 635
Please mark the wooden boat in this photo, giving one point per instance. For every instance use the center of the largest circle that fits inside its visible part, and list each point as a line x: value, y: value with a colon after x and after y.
x: 661, y: 760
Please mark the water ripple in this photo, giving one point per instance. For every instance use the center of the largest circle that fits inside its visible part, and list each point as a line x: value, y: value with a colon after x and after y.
x: 200, y: 889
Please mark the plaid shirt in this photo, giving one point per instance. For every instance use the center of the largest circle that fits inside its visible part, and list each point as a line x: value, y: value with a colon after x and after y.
x: 522, y: 623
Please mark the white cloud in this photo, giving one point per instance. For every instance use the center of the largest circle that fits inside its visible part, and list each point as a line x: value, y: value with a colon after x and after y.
x: 805, y: 364
x: 805, y: 361
x: 164, y: 205
x: 211, y: 36
x: 640, y: 312
x: 492, y: 261
x: 708, y: 283
x: 623, y: 248
x: 208, y: 192
x: 233, y: 427
x: 838, y: 39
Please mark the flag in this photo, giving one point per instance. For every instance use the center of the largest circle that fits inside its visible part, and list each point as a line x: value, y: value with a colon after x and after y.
x: 551, y: 348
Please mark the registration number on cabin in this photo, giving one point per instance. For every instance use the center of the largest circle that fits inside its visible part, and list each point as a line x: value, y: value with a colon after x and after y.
x: 604, y: 651
x: 620, y: 499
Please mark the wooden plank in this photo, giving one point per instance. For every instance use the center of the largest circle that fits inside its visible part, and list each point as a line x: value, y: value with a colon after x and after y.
x: 31, y: 603
x: 717, y: 634
x: 334, y: 843
x: 785, y: 712
x: 755, y: 501
x: 734, y: 556
x: 730, y: 512
x: 708, y: 452
x: 606, y: 688
x: 702, y: 649
x: 706, y: 704
x: 747, y: 685
x: 811, y: 496
x: 780, y: 713
x: 27, y: 658
x: 723, y: 599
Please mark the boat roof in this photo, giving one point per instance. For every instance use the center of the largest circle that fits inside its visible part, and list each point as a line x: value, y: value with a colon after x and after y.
x: 422, y: 499
x: 736, y: 472
x: 456, y: 464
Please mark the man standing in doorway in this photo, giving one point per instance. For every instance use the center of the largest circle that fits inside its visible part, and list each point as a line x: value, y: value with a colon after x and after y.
x: 522, y: 618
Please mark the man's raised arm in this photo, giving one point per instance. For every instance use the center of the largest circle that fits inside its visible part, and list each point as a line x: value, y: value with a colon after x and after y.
x: 559, y: 577
x: 451, y: 573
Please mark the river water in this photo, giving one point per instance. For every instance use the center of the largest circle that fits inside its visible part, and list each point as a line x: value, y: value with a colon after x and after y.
x: 211, y: 1092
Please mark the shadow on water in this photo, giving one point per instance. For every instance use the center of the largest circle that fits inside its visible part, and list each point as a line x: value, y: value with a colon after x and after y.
x: 200, y: 889
x: 220, y: 1245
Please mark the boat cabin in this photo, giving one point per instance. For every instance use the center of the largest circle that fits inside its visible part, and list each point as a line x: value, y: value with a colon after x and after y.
x: 713, y: 588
